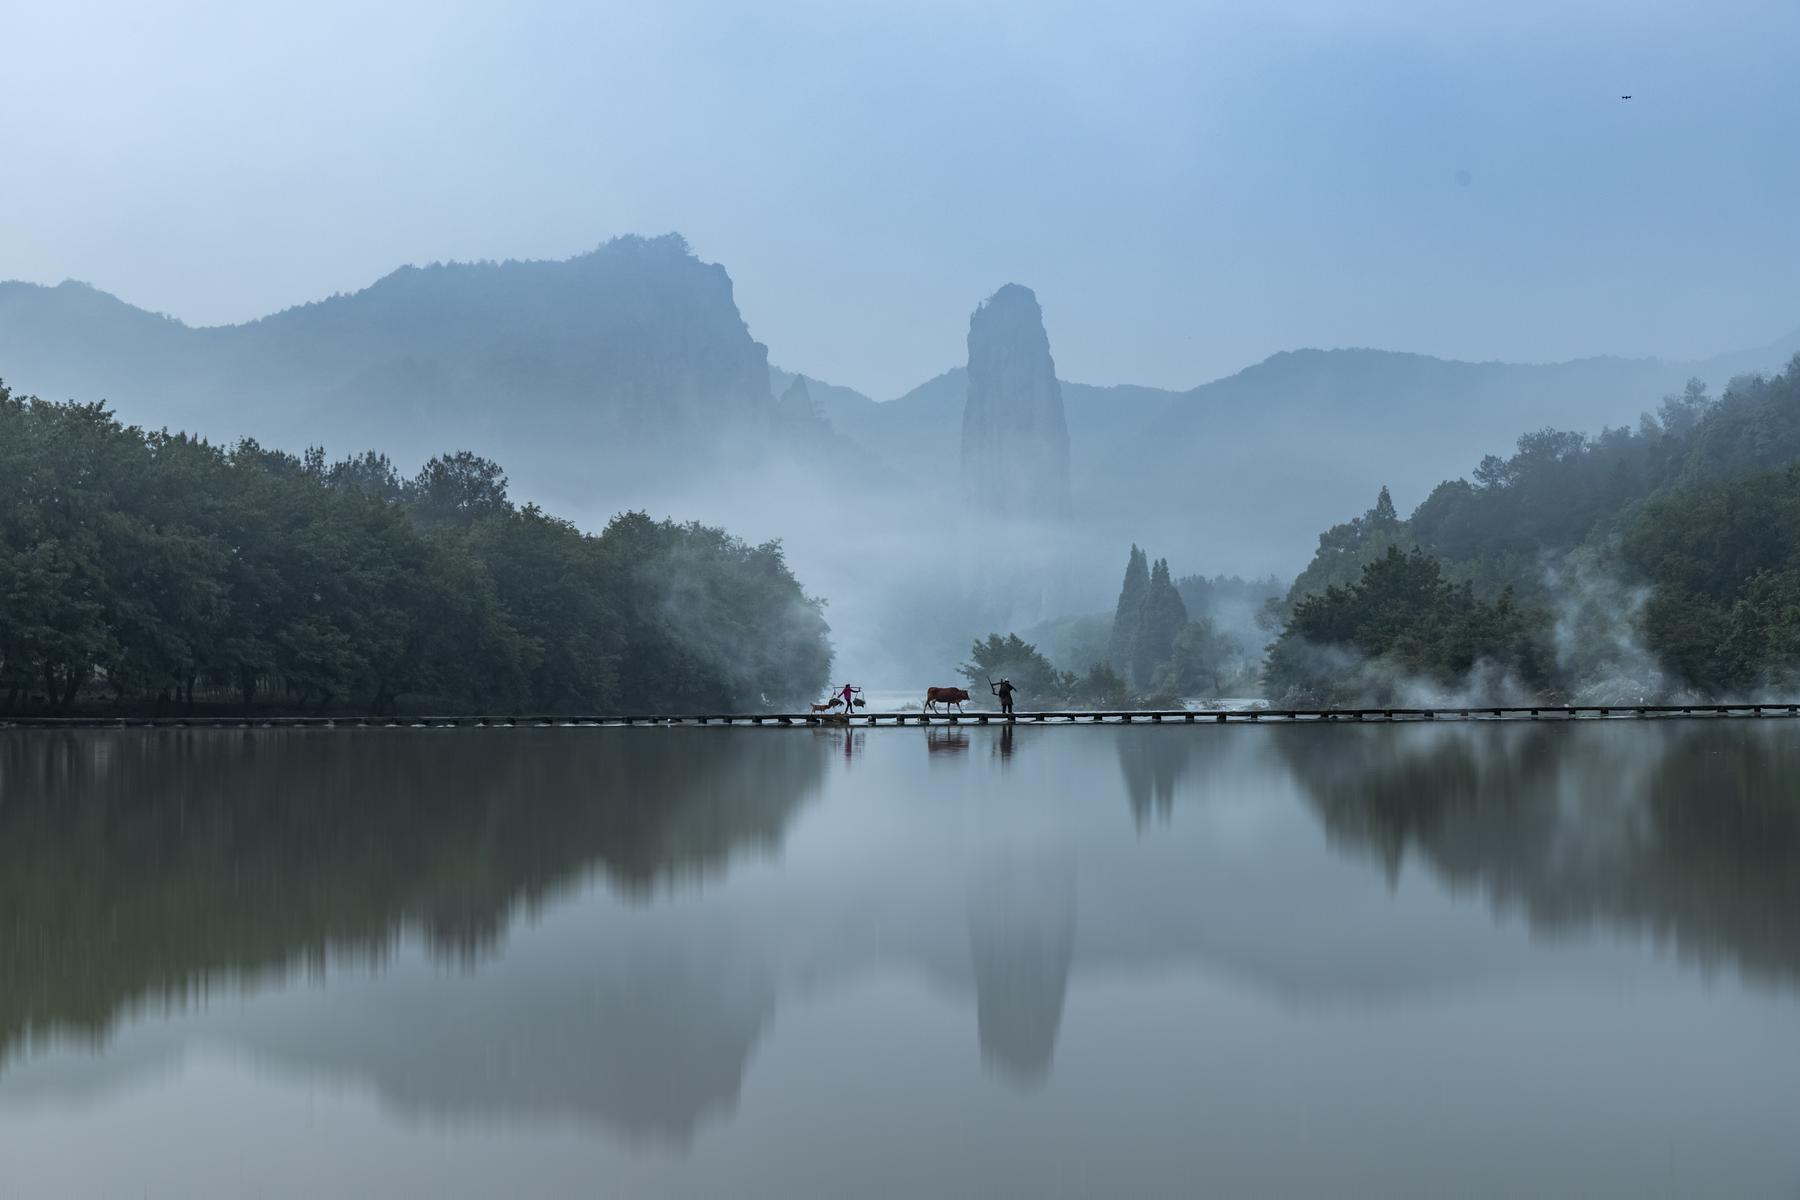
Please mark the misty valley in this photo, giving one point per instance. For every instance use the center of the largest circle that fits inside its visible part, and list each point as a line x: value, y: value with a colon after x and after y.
x: 1147, y: 600
x: 728, y: 540
x: 820, y: 958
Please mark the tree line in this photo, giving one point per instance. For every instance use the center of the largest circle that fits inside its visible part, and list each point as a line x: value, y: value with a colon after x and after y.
x: 153, y: 571
x: 1156, y: 650
x: 1660, y: 560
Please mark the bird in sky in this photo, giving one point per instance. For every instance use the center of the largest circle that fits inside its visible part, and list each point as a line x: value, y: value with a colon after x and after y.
x: 1624, y: 97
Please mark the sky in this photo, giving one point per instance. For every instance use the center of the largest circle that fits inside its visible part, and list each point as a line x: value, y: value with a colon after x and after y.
x: 1188, y: 187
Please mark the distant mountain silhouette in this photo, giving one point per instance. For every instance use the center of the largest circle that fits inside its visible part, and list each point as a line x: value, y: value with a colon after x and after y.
x: 1259, y: 451
x: 619, y: 377
x: 632, y: 358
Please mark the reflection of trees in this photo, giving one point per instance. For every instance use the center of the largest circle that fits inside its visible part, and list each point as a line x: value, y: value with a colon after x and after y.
x: 1688, y: 832
x: 148, y: 866
x: 1153, y: 762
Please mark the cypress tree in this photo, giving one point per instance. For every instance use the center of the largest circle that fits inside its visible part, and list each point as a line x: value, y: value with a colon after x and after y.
x: 1163, y: 617
x: 1128, y: 616
x: 1383, y: 516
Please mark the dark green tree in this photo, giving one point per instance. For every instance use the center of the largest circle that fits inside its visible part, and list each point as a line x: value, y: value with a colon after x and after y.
x: 1402, y: 623
x: 1129, y: 614
x: 1199, y: 663
x: 155, y: 570
x: 1040, y: 684
x: 1161, y: 620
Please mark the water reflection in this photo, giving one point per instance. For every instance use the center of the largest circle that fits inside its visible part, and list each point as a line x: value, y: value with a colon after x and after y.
x: 940, y: 740
x: 156, y: 866
x: 1689, y: 833
x: 140, y: 870
x: 1022, y: 942
x: 1153, y: 765
x: 849, y: 742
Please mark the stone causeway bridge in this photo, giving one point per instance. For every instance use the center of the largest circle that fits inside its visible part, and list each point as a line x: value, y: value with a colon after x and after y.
x: 1231, y: 716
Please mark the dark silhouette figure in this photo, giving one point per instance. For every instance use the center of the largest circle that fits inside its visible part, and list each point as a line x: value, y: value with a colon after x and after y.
x: 1004, y: 689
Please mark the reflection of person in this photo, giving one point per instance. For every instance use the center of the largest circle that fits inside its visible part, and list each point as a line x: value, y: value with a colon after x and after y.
x: 1004, y: 689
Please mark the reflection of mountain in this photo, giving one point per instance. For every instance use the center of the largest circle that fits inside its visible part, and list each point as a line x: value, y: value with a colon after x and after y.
x: 1022, y: 939
x: 138, y: 868
x: 647, y: 1030
x: 155, y: 866
x: 1691, y: 836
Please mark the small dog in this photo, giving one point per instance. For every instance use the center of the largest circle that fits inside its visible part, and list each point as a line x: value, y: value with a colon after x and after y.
x: 827, y: 706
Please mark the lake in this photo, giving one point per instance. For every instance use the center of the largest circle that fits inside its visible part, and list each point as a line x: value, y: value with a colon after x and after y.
x: 1470, y: 959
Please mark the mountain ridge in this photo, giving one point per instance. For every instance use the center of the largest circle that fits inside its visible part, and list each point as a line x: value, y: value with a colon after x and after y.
x: 611, y: 377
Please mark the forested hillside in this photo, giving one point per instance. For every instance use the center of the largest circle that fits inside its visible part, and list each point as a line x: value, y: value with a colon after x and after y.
x: 628, y: 376
x: 589, y: 376
x: 157, y: 572
x: 1663, y: 560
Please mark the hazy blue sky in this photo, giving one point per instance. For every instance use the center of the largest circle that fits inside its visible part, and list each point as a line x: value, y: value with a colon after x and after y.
x: 1189, y: 187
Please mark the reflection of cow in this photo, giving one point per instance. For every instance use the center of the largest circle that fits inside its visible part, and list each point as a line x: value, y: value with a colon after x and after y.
x: 946, y: 741
x: 945, y: 695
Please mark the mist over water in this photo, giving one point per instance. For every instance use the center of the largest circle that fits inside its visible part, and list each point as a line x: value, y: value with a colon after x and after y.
x: 738, y: 960
x: 576, y: 359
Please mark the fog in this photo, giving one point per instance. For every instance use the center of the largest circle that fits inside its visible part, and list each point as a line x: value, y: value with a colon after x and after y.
x: 1221, y: 213
x: 1196, y: 185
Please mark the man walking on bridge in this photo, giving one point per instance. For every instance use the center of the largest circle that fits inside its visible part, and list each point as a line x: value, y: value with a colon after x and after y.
x: 1004, y: 689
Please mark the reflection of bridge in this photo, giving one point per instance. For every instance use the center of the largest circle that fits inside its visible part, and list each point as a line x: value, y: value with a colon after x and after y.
x: 1220, y: 716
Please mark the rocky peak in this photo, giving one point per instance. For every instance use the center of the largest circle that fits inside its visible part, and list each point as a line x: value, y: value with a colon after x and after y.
x: 1015, y: 445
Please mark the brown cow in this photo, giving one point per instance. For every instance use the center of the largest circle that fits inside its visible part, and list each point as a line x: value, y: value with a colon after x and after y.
x: 945, y: 695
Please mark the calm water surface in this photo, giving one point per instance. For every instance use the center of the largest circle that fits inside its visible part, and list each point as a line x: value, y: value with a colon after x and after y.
x: 1469, y: 960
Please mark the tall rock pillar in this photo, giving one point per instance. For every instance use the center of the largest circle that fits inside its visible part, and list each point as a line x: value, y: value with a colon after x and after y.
x: 1015, y: 441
